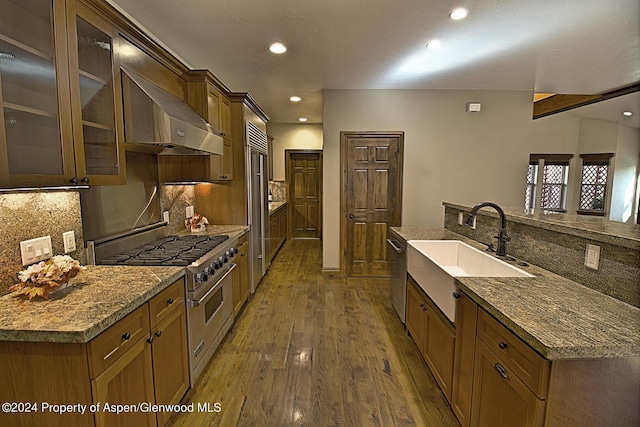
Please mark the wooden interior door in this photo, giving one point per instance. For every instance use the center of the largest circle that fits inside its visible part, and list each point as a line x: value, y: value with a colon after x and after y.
x: 371, y: 199
x: 304, y: 173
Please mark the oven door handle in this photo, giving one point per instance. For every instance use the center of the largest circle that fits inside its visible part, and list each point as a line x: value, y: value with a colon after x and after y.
x: 194, y: 303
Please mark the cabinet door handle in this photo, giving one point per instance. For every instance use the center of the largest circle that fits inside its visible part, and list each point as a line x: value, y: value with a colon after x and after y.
x: 126, y: 336
x: 158, y: 334
x: 503, y: 372
x: 150, y: 340
x: 170, y: 301
x: 74, y: 180
x: 502, y: 345
x: 85, y: 180
x: 456, y: 295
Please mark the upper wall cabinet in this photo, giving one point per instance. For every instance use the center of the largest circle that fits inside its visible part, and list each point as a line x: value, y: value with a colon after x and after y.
x: 96, y: 98
x: 61, y: 108
x: 36, y: 143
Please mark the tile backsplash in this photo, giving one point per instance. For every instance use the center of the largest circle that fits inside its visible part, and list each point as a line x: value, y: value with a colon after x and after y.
x: 175, y: 199
x: 278, y: 191
x: 25, y: 216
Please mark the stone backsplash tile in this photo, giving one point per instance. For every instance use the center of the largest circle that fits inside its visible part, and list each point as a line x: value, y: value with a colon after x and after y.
x: 29, y: 215
x: 619, y: 270
x: 175, y: 199
x: 278, y: 191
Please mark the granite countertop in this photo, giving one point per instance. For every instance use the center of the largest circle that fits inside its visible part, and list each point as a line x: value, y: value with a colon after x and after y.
x: 590, y: 227
x: 101, y: 296
x: 274, y: 206
x: 233, y: 231
x: 559, y: 318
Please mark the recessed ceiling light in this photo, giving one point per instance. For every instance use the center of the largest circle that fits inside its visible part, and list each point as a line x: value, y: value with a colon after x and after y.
x: 459, y: 13
x: 302, y: 119
x: 627, y: 113
x: 434, y: 44
x: 278, y: 48
x: 295, y: 99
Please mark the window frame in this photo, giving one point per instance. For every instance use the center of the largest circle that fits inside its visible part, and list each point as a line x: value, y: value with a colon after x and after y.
x: 600, y: 159
x: 542, y: 185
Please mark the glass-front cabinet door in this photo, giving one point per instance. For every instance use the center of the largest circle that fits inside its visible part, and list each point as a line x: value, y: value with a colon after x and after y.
x: 36, y: 143
x: 96, y: 98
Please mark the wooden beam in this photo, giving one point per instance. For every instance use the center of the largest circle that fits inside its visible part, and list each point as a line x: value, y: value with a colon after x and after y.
x: 561, y: 102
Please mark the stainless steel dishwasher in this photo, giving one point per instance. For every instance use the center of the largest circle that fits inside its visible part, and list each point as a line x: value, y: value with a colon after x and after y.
x: 398, y: 283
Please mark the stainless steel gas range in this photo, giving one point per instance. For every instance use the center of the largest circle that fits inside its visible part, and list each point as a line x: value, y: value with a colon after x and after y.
x: 208, y: 261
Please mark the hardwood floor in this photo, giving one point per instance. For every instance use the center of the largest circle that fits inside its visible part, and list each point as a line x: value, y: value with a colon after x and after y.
x: 312, y: 351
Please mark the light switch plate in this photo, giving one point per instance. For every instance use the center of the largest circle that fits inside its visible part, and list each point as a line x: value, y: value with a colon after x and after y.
x: 592, y: 257
x: 35, y: 250
x: 69, y: 240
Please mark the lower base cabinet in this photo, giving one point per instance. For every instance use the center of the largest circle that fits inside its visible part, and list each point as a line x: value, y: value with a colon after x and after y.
x: 500, y: 398
x: 433, y: 333
x: 492, y: 378
x: 241, y: 285
x: 141, y: 359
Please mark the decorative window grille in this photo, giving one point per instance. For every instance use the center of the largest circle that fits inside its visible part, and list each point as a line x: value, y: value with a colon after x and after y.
x: 554, y: 187
x: 593, y: 185
x: 530, y: 191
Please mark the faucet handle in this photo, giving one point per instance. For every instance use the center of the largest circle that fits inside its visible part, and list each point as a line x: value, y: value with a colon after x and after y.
x: 490, y: 247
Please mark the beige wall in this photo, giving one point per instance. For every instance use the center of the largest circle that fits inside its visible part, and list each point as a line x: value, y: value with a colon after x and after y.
x: 449, y: 154
x: 626, y: 170
x: 292, y: 137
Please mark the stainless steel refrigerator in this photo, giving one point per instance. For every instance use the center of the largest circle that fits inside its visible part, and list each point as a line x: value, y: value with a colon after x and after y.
x: 258, y: 205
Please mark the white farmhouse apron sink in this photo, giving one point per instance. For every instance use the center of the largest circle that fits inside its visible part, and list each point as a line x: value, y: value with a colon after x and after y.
x: 435, y: 263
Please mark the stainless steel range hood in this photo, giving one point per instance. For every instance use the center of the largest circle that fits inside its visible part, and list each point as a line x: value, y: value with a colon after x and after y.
x: 154, y: 116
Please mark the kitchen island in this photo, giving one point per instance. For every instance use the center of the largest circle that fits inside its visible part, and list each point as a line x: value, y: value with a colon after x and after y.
x: 566, y: 354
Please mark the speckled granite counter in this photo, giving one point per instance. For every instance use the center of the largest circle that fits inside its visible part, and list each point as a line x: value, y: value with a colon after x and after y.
x: 559, y: 318
x: 233, y: 231
x: 102, y: 295
x: 275, y: 206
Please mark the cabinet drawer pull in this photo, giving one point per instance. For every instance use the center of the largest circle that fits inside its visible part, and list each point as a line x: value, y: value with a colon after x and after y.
x: 502, y: 345
x: 423, y: 307
x: 503, y: 372
x: 126, y: 336
x: 170, y: 301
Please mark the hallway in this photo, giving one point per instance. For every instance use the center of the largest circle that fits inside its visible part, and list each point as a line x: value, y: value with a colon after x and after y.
x: 312, y: 351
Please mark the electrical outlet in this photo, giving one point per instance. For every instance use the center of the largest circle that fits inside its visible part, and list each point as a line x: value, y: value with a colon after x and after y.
x: 165, y: 216
x: 35, y: 250
x: 460, y: 218
x: 69, y: 240
x: 190, y: 211
x: 592, y: 257
x: 475, y: 218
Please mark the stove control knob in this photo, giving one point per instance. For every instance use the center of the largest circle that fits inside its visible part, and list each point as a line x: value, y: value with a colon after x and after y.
x: 221, y: 260
x: 199, y: 277
x: 205, y: 277
x: 230, y: 253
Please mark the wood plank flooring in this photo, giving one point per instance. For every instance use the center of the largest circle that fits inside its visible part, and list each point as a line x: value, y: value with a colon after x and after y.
x: 312, y: 351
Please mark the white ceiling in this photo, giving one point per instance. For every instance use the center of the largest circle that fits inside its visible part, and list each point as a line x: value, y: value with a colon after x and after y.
x: 553, y: 46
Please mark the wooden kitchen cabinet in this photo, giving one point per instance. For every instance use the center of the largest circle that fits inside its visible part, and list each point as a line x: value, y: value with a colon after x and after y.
x: 277, y: 230
x: 35, y: 115
x: 241, y: 285
x: 500, y: 398
x: 155, y: 368
x: 96, y: 97
x: 214, y: 106
x: 433, y: 333
x: 61, y: 98
x: 127, y: 381
x: 464, y: 354
x: 168, y: 323
x: 142, y: 358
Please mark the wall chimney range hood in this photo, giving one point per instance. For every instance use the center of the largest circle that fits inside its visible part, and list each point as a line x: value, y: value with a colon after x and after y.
x: 155, y: 116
